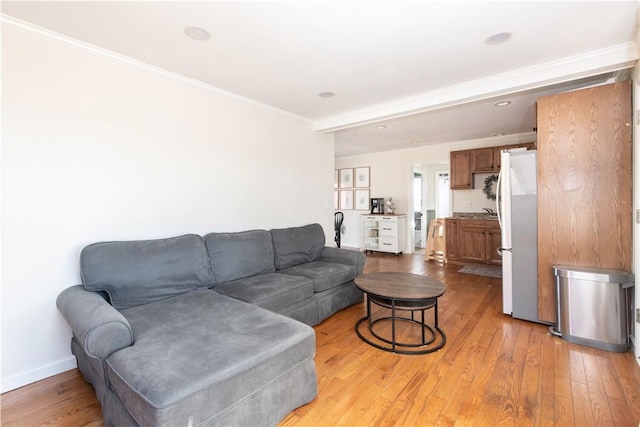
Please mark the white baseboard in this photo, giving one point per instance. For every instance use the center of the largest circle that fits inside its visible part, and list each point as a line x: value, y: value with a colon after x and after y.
x: 14, y: 381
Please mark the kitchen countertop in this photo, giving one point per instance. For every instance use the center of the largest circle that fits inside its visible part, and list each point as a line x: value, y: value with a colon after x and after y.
x: 474, y: 216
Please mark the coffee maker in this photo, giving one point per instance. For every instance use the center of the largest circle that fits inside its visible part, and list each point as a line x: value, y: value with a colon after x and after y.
x: 377, y: 206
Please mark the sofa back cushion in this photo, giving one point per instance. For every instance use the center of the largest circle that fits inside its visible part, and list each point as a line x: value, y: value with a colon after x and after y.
x: 239, y: 255
x: 297, y: 245
x: 139, y: 272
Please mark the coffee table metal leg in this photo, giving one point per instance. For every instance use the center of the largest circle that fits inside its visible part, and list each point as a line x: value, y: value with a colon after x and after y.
x: 422, y: 317
x: 435, y: 316
x: 393, y: 324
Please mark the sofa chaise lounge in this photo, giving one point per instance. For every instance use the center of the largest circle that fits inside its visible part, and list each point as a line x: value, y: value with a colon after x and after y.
x: 206, y: 330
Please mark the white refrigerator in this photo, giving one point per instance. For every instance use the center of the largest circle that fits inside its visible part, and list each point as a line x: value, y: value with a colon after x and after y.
x: 518, y: 216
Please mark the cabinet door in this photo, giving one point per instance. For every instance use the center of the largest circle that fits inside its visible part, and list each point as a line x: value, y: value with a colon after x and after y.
x: 472, y: 246
x: 370, y: 233
x: 482, y: 160
x: 451, y: 238
x: 494, y: 241
x: 585, y: 210
x: 460, y: 165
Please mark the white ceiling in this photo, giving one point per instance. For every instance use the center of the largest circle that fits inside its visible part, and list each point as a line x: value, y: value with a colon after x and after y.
x: 421, y: 67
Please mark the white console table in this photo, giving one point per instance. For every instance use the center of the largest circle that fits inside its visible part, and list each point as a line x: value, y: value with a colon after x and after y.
x: 384, y: 233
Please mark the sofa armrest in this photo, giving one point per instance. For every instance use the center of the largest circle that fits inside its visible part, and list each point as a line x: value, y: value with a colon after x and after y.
x: 344, y: 256
x: 98, y: 327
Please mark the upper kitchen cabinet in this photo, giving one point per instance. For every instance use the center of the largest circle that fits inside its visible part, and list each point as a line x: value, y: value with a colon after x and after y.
x: 482, y: 160
x: 584, y: 184
x: 479, y: 160
x: 460, y: 170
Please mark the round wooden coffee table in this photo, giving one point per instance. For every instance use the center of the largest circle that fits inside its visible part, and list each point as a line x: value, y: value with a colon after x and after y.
x: 402, y: 292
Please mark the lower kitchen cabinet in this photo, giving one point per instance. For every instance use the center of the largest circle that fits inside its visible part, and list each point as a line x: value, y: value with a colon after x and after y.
x: 473, y: 241
x: 451, y: 239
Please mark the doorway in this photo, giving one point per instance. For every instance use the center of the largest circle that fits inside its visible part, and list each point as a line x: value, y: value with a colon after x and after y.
x: 430, y: 199
x: 443, y: 193
x: 419, y: 190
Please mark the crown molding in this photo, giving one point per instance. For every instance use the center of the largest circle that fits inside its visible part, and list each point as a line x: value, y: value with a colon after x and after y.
x: 9, y: 21
x: 585, y: 65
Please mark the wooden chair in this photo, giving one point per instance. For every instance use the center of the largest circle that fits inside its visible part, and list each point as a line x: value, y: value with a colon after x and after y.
x: 436, y: 241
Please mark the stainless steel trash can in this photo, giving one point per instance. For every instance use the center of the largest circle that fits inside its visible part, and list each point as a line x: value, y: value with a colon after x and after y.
x: 593, y: 306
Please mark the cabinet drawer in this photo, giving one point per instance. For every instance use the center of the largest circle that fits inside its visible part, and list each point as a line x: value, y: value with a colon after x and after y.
x: 388, y: 228
x: 388, y: 244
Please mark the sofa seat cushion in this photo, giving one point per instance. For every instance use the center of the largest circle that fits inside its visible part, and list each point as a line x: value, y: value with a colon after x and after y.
x: 198, y: 353
x: 272, y: 291
x: 325, y: 275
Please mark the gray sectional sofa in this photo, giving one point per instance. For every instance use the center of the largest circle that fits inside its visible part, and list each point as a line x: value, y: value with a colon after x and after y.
x: 211, y: 330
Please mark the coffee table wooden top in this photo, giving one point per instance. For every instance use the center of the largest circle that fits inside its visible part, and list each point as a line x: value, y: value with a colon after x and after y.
x: 405, y: 286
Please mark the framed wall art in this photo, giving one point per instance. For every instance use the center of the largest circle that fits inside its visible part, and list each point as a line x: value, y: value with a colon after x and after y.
x: 346, y: 199
x: 336, y: 199
x: 336, y: 179
x: 346, y: 178
x: 362, y: 200
x: 362, y: 177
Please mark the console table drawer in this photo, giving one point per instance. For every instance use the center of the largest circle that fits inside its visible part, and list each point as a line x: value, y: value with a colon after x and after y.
x: 388, y: 244
x: 388, y: 228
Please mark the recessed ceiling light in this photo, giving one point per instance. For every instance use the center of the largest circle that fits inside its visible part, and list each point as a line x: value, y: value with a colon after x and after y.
x: 197, y: 33
x: 380, y: 127
x: 414, y: 142
x: 326, y: 94
x: 502, y: 103
x: 498, y: 38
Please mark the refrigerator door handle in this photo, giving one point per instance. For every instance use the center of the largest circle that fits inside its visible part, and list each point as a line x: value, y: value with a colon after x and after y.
x: 499, y: 193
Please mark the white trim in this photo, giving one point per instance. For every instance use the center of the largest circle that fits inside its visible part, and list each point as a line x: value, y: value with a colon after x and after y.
x: 589, y: 64
x: 52, y: 35
x: 20, y: 379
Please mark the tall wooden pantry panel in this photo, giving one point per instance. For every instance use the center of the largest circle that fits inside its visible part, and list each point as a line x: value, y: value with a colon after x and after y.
x: 584, y: 184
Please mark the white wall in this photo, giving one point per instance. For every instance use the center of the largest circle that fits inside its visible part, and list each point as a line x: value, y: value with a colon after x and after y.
x: 392, y: 172
x: 98, y: 149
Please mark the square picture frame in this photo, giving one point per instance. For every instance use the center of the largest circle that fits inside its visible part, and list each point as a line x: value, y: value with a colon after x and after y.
x: 346, y: 200
x: 361, y: 177
x: 336, y: 178
x: 361, y: 200
x: 336, y: 199
x: 346, y: 178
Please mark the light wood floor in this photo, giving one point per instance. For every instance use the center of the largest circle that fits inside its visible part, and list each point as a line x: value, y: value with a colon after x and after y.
x: 493, y: 370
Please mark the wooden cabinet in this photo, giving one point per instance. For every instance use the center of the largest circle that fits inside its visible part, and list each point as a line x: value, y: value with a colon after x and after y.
x: 451, y: 239
x: 460, y: 165
x: 384, y: 233
x: 494, y: 242
x: 478, y: 241
x: 473, y: 241
x: 584, y: 184
x: 465, y: 163
x: 482, y: 160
